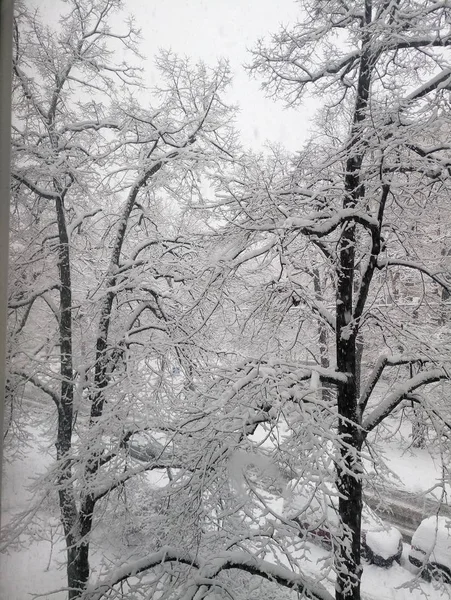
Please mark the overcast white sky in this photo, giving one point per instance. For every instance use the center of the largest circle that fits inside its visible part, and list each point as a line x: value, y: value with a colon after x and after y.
x: 211, y: 29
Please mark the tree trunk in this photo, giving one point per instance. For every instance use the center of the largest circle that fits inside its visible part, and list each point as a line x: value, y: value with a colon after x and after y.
x: 77, y: 556
x: 349, y: 468
x: 349, y: 463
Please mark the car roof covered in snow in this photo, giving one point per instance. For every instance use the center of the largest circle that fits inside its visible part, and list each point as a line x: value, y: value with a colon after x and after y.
x: 433, y: 536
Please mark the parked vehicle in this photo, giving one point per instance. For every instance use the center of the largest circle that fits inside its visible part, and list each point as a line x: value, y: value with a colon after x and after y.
x: 317, y: 514
x: 431, y: 548
x: 381, y: 544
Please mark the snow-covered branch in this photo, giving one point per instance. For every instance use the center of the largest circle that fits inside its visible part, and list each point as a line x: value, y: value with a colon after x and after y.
x: 32, y: 297
x: 91, y: 125
x: 285, y: 374
x: 382, y: 362
x: 208, y: 570
x: 388, y: 405
x: 39, y: 384
x: 395, y: 262
x: 165, y: 555
x: 321, y: 225
x: 43, y: 193
x: 80, y: 218
x: 440, y: 81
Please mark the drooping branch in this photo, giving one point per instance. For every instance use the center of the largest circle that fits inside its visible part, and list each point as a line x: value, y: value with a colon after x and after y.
x: 165, y: 555
x: 241, y: 561
x: 379, y: 367
x: 392, y: 401
x: 39, y: 384
x: 33, y: 297
x: 47, y: 194
x: 395, y: 262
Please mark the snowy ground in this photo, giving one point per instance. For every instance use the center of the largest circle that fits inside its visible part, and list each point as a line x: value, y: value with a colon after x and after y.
x: 394, y: 583
x: 416, y: 469
x: 39, y: 570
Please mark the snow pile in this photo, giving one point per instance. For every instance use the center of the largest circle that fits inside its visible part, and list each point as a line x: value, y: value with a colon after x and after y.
x: 384, y: 543
x: 433, y: 537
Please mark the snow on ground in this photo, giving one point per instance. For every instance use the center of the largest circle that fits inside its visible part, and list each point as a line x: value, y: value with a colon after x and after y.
x: 385, y: 584
x: 25, y: 573
x: 40, y: 568
x: 416, y: 469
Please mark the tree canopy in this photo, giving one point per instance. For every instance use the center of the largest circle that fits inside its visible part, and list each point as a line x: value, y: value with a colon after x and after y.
x: 224, y: 335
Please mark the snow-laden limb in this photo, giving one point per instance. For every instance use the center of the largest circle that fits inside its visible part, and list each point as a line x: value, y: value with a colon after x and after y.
x: 151, y: 451
x: 244, y: 381
x: 80, y: 218
x: 41, y: 192
x: 177, y: 241
x: 319, y: 224
x: 208, y: 570
x: 439, y: 82
x: 285, y: 374
x: 324, y: 313
x: 79, y: 126
x: 374, y: 377
x: 28, y: 90
x: 382, y: 362
x: 388, y: 405
x: 409, y: 264
x: 147, y: 464
x: 298, y: 582
x: 27, y: 377
x: 165, y: 555
x: 32, y: 297
x: 254, y: 253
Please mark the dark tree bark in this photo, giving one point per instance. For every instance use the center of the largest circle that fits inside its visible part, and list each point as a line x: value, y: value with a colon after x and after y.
x: 77, y: 566
x: 349, y: 466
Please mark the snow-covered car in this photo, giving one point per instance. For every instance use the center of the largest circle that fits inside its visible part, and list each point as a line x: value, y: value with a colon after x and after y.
x: 317, y: 514
x: 381, y: 545
x: 431, y: 548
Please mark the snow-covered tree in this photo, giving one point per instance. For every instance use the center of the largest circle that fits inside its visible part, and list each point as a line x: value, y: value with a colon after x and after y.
x: 382, y: 70
x: 232, y: 346
x: 103, y: 282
